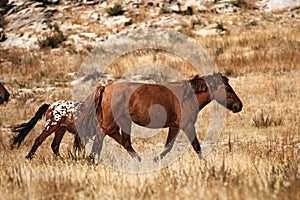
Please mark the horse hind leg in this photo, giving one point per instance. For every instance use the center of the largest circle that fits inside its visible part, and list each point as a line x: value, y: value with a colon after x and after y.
x: 172, y: 134
x: 39, y: 140
x: 125, y: 126
x: 126, y: 143
x: 59, y: 134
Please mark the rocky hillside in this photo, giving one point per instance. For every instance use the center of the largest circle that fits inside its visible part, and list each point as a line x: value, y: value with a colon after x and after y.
x: 81, y: 24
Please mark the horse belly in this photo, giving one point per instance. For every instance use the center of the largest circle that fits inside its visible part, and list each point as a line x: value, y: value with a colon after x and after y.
x: 154, y: 107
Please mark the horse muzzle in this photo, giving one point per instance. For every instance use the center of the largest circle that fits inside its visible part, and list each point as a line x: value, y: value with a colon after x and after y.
x: 6, y: 97
x: 237, y: 107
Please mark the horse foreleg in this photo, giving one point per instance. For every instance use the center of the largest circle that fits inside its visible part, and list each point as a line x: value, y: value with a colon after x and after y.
x: 38, y: 141
x: 59, y: 133
x: 172, y: 134
x: 116, y: 136
x: 77, y: 146
x: 191, y: 134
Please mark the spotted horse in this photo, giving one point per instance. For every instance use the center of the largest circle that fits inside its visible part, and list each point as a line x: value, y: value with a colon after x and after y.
x: 60, y: 117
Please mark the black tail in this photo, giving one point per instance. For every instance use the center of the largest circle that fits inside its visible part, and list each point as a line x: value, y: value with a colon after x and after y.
x: 25, y: 128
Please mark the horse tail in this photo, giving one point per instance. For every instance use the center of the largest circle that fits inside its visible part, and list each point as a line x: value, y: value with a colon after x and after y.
x: 87, y: 121
x: 98, y: 99
x: 25, y: 128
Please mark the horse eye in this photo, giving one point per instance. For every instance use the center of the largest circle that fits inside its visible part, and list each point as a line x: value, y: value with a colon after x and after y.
x: 229, y: 89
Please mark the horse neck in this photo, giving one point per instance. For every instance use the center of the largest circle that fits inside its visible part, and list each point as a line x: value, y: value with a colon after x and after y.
x: 203, y: 99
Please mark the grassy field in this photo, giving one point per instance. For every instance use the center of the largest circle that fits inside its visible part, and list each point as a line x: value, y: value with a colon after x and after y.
x: 257, y: 155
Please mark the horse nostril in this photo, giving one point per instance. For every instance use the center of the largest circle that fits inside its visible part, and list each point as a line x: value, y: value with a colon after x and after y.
x: 7, y: 96
x: 237, y: 108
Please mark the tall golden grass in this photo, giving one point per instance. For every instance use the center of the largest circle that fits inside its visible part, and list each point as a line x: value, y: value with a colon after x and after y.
x: 249, y: 162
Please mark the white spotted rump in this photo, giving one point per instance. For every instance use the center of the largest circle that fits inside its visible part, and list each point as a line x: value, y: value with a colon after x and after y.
x: 62, y: 109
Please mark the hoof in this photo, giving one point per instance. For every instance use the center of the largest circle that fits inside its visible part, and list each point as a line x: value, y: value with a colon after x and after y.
x: 158, y: 158
x: 135, y: 156
x: 29, y: 156
x: 91, y: 158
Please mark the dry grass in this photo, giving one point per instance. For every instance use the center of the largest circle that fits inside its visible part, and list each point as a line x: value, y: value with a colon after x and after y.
x: 254, y: 51
x: 248, y: 162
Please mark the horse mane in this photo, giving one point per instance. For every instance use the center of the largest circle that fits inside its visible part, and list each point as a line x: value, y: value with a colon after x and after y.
x: 211, y: 82
x: 198, y: 84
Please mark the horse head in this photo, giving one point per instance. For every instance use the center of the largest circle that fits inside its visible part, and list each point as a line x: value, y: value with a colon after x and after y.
x: 216, y: 87
x: 222, y: 92
x: 4, y: 94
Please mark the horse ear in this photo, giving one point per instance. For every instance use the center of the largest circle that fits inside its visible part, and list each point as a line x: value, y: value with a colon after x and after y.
x: 202, y: 87
x: 188, y: 91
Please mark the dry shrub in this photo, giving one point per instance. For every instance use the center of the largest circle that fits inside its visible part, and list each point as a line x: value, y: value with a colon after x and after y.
x: 116, y: 10
x: 265, y: 120
x: 52, y: 39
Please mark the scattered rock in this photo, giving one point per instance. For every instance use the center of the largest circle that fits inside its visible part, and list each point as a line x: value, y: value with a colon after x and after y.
x: 175, y: 8
x: 281, y: 4
x: 170, y: 22
x: 204, y: 32
x: 38, y: 4
x: 26, y: 41
x: 90, y: 2
x: 95, y: 16
x: 121, y: 21
x: 135, y: 5
x: 224, y: 8
x: 2, y: 35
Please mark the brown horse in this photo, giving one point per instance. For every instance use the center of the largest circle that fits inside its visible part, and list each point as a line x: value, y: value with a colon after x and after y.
x: 4, y: 94
x: 174, y: 105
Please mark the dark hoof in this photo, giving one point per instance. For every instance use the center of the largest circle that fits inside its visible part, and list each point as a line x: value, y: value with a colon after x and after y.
x: 135, y: 156
x: 158, y: 158
x: 29, y: 156
x: 91, y: 158
x: 57, y: 155
x: 139, y: 158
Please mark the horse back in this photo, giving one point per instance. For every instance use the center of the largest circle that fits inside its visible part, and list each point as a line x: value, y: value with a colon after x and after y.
x: 150, y: 105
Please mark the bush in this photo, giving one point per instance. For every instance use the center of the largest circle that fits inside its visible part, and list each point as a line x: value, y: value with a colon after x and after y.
x: 263, y: 120
x: 52, y: 39
x: 249, y: 4
x: 164, y: 10
x: 115, y: 10
x: 221, y: 27
x: 188, y: 11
